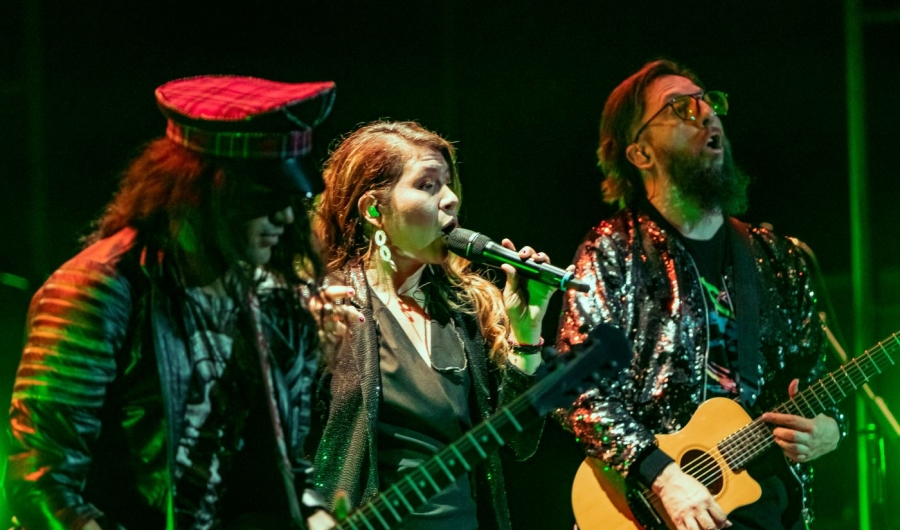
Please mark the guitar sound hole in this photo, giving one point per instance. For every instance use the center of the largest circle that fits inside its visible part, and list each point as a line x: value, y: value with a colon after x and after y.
x: 703, y: 467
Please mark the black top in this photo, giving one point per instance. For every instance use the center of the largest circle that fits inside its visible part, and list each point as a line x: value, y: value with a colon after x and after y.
x: 711, y: 258
x: 422, y: 411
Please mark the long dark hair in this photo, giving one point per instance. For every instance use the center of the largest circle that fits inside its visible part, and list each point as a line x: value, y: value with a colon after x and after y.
x: 168, y: 185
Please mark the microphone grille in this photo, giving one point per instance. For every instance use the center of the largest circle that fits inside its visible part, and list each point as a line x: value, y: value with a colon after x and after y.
x: 466, y: 243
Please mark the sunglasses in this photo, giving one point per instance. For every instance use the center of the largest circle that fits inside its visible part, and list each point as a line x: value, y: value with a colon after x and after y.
x: 687, y: 107
x: 260, y: 202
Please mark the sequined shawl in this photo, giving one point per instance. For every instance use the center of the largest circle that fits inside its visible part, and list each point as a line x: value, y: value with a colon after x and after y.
x: 349, y: 395
x: 646, y: 283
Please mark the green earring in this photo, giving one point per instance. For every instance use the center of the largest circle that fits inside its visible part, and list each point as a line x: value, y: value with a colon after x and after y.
x: 373, y: 211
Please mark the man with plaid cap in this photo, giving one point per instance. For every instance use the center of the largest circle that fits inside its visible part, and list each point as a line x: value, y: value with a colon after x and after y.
x: 165, y: 382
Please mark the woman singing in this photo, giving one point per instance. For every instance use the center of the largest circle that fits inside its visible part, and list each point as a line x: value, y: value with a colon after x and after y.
x: 440, y: 347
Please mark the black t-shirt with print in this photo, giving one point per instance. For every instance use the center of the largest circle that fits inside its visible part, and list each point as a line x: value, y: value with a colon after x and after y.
x: 711, y: 257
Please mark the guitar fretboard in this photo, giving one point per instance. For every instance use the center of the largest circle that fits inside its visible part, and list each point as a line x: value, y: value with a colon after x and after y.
x: 390, y: 507
x: 752, y: 440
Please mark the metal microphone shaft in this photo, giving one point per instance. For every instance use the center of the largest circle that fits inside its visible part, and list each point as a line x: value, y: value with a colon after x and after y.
x: 480, y: 249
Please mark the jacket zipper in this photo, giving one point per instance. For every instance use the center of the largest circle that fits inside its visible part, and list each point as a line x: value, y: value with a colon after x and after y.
x: 706, y: 315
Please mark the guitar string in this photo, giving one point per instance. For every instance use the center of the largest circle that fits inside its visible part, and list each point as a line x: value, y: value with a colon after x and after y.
x: 713, y: 470
x: 711, y: 467
x: 403, y: 487
x: 709, y: 470
x: 812, y: 391
x: 754, y: 445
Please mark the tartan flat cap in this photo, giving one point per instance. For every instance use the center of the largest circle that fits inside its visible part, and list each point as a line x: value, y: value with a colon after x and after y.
x: 238, y: 117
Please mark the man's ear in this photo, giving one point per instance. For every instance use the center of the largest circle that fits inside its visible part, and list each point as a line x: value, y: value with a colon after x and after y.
x: 639, y: 157
x: 369, y: 210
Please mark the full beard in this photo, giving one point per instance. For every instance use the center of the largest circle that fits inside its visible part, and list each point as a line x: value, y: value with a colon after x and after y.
x: 722, y: 188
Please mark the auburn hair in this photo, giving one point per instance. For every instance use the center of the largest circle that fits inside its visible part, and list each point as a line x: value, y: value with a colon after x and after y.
x: 167, y: 185
x: 371, y: 160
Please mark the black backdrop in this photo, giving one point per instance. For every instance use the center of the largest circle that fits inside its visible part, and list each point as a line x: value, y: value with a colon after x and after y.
x: 518, y: 86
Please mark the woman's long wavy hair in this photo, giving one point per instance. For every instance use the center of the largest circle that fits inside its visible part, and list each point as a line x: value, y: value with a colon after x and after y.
x: 371, y: 160
x: 168, y: 185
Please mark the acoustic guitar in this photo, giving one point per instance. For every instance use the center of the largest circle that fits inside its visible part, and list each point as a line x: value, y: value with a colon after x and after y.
x: 714, y: 447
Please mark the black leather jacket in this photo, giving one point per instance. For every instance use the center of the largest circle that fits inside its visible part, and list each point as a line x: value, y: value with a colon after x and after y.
x: 100, y: 394
x: 645, y: 282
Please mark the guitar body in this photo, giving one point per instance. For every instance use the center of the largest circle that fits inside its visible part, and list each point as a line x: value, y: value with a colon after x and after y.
x: 603, y: 500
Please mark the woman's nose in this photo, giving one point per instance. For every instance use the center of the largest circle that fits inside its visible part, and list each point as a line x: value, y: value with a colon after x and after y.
x: 450, y: 202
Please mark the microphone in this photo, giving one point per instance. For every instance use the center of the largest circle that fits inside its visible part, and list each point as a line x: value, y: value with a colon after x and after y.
x: 480, y: 249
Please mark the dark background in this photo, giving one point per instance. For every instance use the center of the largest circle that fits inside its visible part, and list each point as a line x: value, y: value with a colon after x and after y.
x: 518, y: 86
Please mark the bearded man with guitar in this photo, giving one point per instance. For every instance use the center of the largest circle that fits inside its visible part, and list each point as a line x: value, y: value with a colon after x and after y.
x: 714, y: 308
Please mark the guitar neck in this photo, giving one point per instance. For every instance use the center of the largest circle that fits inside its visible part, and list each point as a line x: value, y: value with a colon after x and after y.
x: 751, y: 441
x: 389, y: 508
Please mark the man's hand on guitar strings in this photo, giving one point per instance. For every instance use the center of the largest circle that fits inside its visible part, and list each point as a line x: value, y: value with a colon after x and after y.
x: 689, y: 504
x: 803, y: 439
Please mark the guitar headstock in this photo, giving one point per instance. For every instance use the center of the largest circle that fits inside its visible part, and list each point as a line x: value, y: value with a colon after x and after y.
x: 565, y: 377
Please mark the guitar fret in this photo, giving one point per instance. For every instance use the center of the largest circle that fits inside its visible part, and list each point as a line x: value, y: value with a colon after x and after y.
x: 825, y: 388
x: 897, y: 340
x: 803, y: 397
x: 478, y: 447
x: 416, y: 489
x: 352, y: 524
x: 447, y: 472
x: 850, y: 379
x: 460, y: 457
x: 402, y: 498
x: 838, y: 385
x: 365, y: 519
x: 513, y: 420
x: 822, y: 405
x: 424, y: 470
x: 387, y: 503
x: 497, y: 437
x: 872, y: 359
x: 855, y: 362
x: 378, y: 515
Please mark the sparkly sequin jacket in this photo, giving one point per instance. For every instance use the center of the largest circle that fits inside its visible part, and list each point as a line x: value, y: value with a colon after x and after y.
x: 347, y: 456
x: 646, y: 282
x: 99, y: 398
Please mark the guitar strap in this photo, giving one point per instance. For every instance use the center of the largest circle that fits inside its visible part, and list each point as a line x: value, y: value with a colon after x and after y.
x: 747, y: 289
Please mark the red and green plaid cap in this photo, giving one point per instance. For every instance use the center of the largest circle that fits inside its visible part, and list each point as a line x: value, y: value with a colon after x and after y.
x: 244, y: 117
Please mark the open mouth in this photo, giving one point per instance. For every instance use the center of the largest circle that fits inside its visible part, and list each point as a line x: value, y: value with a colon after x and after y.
x: 449, y: 227
x: 714, y: 141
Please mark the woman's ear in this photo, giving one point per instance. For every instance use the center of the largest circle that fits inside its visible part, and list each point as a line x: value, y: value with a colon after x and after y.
x: 368, y: 210
x: 639, y: 157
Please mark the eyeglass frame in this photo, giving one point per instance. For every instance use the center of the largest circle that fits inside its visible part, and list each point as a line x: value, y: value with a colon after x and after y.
x: 697, y: 97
